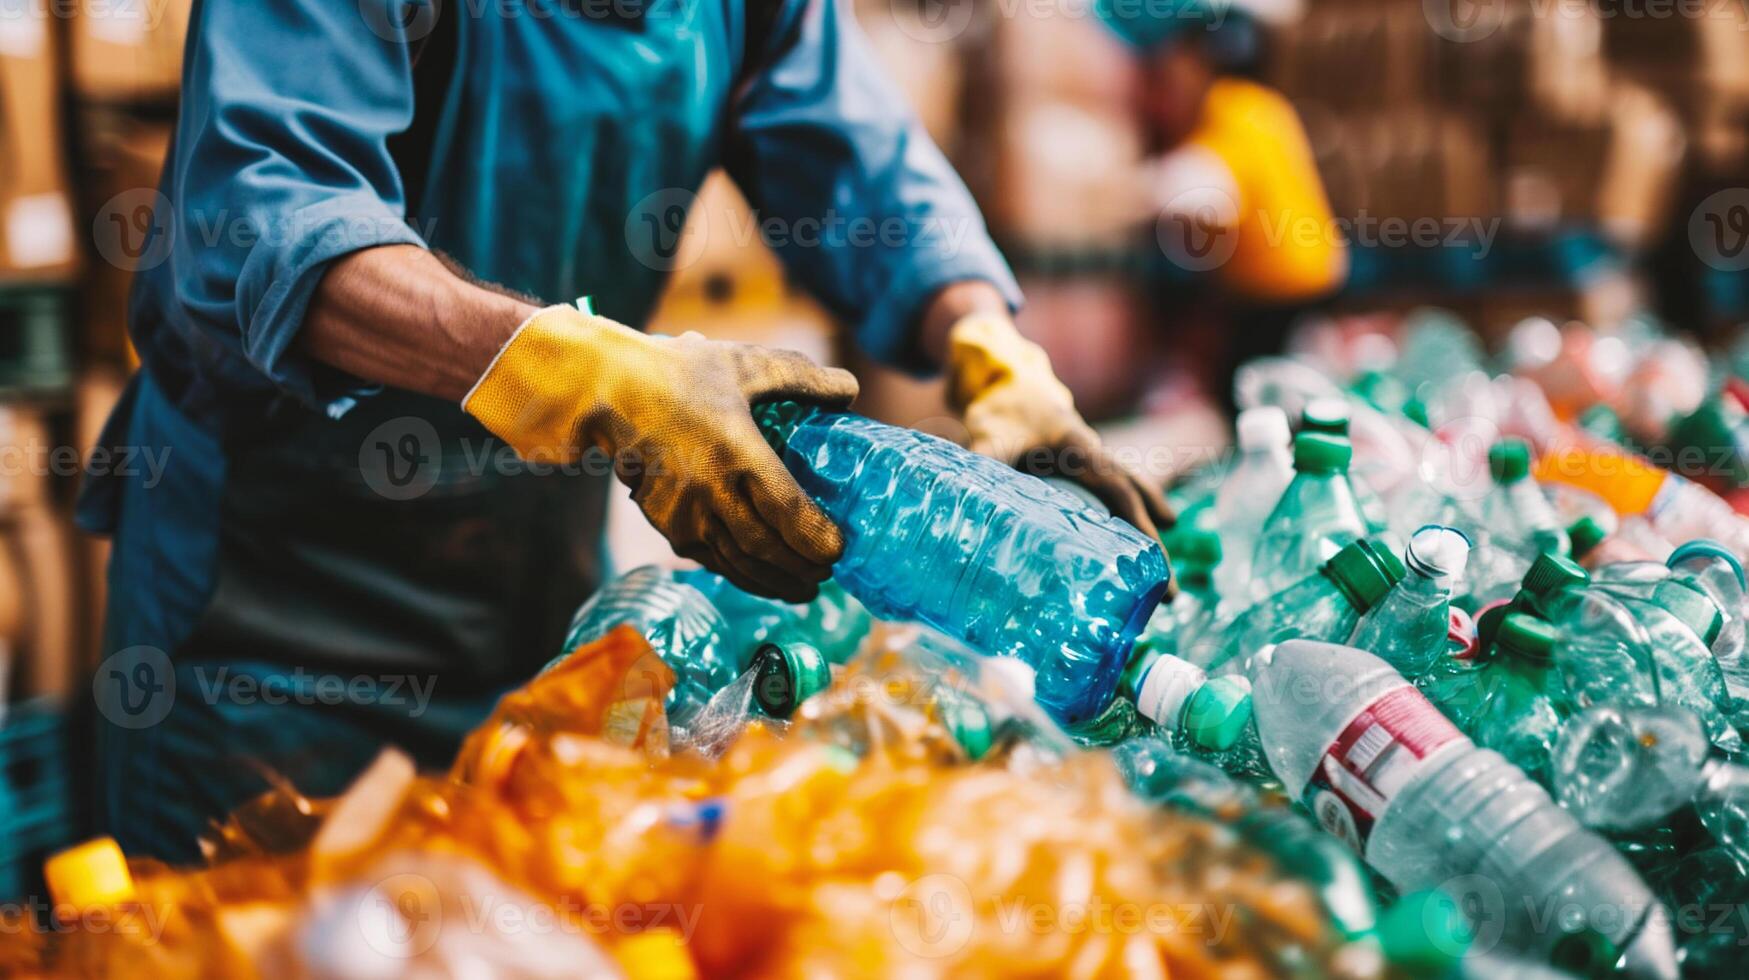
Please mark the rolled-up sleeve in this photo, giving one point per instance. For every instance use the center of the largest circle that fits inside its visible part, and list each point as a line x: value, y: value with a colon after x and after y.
x: 281, y: 165
x: 851, y: 192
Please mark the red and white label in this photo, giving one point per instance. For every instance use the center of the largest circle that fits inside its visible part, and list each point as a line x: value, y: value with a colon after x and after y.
x: 1375, y: 756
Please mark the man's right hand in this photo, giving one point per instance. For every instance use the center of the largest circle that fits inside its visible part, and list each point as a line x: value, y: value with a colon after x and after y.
x: 673, y: 414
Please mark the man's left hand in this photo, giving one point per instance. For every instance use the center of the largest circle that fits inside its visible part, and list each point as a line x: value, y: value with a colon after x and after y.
x: 1016, y: 410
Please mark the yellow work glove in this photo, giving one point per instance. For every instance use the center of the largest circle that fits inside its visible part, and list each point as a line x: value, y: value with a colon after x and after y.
x: 672, y: 413
x: 1017, y: 411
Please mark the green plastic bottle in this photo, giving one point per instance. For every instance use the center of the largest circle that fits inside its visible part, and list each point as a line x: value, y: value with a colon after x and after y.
x: 1325, y: 605
x: 1317, y: 515
x: 1332, y: 416
x: 1525, y: 703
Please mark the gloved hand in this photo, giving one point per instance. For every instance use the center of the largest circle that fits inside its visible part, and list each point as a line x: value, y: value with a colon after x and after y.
x: 1017, y: 411
x: 672, y: 413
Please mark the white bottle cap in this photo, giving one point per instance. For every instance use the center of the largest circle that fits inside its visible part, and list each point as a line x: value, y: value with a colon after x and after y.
x: 1167, y: 688
x: 1437, y: 551
x: 1264, y: 427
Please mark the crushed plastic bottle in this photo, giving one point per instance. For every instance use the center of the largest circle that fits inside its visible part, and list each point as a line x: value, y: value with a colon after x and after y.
x: 834, y: 622
x: 1162, y: 775
x: 1325, y: 605
x: 1381, y: 768
x: 1410, y: 627
x: 1248, y: 494
x: 992, y: 557
x: 680, y: 623
x: 1317, y: 515
x: 1622, y: 769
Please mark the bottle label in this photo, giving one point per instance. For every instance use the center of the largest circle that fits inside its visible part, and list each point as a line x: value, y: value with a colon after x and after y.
x: 1166, y: 689
x: 1376, y: 755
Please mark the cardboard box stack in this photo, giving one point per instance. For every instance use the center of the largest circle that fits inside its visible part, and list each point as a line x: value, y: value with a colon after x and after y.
x: 1526, y: 117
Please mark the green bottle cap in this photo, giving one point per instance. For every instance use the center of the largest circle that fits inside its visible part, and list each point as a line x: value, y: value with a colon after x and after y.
x: 1327, y: 415
x: 1218, y: 713
x: 1321, y: 452
x: 1705, y: 548
x: 1524, y: 635
x: 1695, y: 608
x: 1383, y: 391
x: 1551, y: 573
x: 1415, y: 410
x: 1707, y: 426
x: 1586, y: 953
x: 1364, y: 573
x: 1425, y: 932
x: 1194, y: 547
x: 1586, y: 534
x: 786, y: 675
x: 1509, y: 460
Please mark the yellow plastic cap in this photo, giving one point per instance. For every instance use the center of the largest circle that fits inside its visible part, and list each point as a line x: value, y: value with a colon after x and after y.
x: 91, y: 875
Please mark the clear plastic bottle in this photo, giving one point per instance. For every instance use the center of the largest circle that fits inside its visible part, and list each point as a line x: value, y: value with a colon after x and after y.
x: 1381, y: 768
x: 1324, y: 605
x: 834, y: 622
x: 1251, y: 490
x: 1594, y: 546
x: 1316, y: 516
x: 1626, y: 768
x: 1517, y: 508
x: 1409, y: 628
x: 1332, y: 417
x: 989, y: 556
x: 680, y: 623
x: 1711, y: 567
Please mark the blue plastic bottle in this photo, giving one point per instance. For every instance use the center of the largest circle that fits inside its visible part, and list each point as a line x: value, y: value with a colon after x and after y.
x: 996, y: 559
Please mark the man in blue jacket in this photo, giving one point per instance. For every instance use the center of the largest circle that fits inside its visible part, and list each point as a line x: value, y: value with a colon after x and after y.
x: 341, y: 339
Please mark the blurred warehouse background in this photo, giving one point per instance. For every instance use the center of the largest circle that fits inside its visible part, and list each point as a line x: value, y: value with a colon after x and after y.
x: 1578, y: 160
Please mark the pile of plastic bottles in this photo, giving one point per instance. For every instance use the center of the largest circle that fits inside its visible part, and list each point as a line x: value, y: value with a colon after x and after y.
x: 1452, y: 683
x: 920, y: 817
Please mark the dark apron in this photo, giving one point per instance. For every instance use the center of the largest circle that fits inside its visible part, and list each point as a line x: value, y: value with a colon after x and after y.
x: 376, y: 580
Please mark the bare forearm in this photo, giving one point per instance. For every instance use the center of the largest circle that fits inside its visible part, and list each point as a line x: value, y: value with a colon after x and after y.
x: 948, y: 306
x: 398, y: 316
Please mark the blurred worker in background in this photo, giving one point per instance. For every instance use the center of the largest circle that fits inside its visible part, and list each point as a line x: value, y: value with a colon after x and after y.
x: 338, y: 369
x: 1243, y: 220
